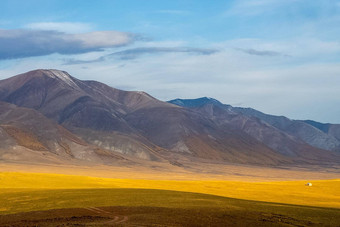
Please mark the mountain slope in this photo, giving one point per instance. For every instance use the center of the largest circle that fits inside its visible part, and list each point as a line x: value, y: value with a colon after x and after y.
x: 307, y: 132
x: 29, y: 136
x: 132, y: 123
x: 186, y: 132
x: 86, y: 108
x: 230, y: 117
x: 139, y: 126
x: 329, y: 129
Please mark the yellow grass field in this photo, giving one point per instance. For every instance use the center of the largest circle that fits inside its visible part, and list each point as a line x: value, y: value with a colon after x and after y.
x: 323, y: 193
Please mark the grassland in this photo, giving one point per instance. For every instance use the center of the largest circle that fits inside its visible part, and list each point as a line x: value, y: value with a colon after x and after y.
x: 160, y: 207
x: 323, y: 193
x: 155, y: 201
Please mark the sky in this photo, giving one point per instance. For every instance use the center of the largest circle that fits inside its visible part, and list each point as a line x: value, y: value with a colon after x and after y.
x: 281, y: 57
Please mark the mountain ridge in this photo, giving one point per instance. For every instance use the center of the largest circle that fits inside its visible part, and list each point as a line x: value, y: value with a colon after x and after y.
x: 137, y: 125
x: 294, y: 128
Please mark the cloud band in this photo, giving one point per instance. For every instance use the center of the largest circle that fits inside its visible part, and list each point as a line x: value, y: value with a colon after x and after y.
x: 27, y: 43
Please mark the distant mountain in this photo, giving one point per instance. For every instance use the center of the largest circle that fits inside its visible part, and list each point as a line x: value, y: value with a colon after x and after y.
x: 104, y: 121
x: 199, y: 102
x: 314, y: 133
x: 257, y: 125
x: 329, y: 129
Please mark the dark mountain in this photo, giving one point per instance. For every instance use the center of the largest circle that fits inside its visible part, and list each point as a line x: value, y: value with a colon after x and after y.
x: 323, y: 127
x: 329, y: 129
x: 199, y: 102
x: 136, y: 125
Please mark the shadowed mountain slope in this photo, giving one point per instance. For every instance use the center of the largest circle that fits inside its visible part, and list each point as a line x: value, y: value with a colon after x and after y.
x: 329, y: 129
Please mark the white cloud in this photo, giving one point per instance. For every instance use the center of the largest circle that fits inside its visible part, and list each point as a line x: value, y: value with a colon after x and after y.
x: 103, y: 38
x: 293, y: 50
x: 67, y: 27
x: 23, y: 43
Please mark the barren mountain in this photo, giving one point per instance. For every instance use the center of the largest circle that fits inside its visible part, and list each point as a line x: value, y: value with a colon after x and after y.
x: 89, y: 109
x: 27, y: 135
x: 187, y: 132
x: 307, y: 132
x: 108, y: 121
x: 281, y: 141
x: 329, y: 129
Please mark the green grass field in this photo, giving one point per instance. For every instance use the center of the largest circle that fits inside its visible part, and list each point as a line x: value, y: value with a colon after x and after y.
x: 162, y: 207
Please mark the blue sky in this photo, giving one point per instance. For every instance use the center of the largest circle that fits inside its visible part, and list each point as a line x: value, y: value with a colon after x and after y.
x: 278, y: 56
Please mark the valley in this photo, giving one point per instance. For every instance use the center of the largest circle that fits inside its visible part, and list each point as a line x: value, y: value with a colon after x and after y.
x: 83, y: 153
x: 169, y: 113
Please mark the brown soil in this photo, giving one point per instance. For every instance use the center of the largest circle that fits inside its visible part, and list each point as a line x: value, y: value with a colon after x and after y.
x: 148, y: 216
x: 24, y: 138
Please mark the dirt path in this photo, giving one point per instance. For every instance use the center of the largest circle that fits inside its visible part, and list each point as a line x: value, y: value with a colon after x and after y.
x: 115, y: 218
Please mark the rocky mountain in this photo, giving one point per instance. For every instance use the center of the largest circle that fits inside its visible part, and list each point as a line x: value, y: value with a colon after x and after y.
x: 287, y: 136
x: 27, y: 135
x: 311, y: 132
x: 91, y: 110
x: 187, y: 132
x: 55, y: 113
x: 329, y: 129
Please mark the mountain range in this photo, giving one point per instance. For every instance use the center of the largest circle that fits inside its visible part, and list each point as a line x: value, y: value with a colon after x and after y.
x: 50, y: 116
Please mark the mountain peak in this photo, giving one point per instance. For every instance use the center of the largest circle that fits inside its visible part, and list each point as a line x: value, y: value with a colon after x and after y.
x: 59, y: 75
x: 195, y: 102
